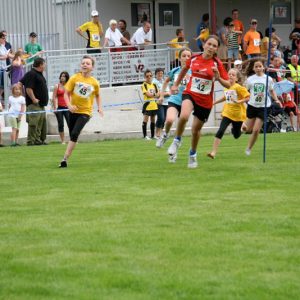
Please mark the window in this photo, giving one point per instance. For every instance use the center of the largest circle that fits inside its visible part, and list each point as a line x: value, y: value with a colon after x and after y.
x: 169, y: 14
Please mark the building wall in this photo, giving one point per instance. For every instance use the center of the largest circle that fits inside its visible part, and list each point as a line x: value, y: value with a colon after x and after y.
x: 193, y: 11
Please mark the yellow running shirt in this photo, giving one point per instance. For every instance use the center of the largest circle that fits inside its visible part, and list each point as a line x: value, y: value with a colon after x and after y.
x: 93, y: 31
x: 231, y: 110
x: 151, y: 88
x: 83, y: 91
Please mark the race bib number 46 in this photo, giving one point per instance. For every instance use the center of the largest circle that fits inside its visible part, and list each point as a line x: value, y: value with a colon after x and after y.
x: 201, y: 86
x: 83, y: 90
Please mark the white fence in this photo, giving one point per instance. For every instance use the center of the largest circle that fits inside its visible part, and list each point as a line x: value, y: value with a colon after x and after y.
x: 111, y: 68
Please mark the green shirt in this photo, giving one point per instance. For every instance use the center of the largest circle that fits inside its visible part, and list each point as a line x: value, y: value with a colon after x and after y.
x: 32, y: 49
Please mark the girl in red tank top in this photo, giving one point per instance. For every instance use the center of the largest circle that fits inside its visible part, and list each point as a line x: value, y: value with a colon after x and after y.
x: 198, y: 96
x: 59, y: 104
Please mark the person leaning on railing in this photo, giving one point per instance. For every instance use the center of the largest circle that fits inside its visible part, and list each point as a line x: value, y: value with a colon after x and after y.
x: 114, y: 38
x: 142, y: 36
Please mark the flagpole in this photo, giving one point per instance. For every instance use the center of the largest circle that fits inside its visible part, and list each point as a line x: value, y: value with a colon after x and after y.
x: 267, y: 86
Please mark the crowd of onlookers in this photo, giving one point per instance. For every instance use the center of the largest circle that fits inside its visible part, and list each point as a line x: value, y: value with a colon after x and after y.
x: 237, y: 44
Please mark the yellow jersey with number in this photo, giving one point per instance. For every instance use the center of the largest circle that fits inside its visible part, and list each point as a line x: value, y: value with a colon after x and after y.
x: 93, y: 31
x: 83, y: 91
x: 232, y: 110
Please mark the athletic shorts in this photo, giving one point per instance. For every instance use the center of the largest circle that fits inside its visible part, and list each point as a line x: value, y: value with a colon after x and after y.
x: 200, y: 112
x: 257, y: 112
x: 178, y: 107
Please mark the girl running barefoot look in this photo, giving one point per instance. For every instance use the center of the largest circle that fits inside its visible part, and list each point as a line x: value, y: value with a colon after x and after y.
x: 198, y: 95
x: 256, y: 84
x: 234, y: 110
x: 81, y: 89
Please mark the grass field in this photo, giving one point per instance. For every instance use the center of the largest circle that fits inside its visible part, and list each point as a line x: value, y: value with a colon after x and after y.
x: 122, y: 223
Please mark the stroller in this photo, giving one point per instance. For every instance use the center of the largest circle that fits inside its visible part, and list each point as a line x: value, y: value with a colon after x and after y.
x: 275, y: 119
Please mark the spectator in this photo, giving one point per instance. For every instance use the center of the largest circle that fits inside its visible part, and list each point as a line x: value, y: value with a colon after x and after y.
x: 252, y: 40
x: 177, y: 43
x: 265, y: 42
x: 294, y: 74
x: 122, y: 26
x: 291, y: 109
x: 222, y: 32
x: 232, y: 43
x: 16, y: 108
x: 238, y: 24
x: 36, y: 99
x: 7, y: 46
x: 94, y: 31
x: 81, y: 90
x: 276, y: 63
x: 4, y: 55
x: 113, y: 37
x: 33, y: 48
x: 59, y: 103
x: 151, y: 93
x: 295, y: 37
x: 17, y: 68
x: 1, y: 145
x: 202, y: 28
x: 143, y: 35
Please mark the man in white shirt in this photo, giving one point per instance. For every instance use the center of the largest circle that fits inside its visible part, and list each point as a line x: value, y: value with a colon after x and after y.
x: 113, y: 36
x: 143, y: 35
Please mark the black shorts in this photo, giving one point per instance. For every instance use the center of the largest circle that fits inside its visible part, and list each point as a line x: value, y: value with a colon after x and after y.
x: 178, y: 107
x: 200, y: 112
x: 257, y: 112
x: 288, y: 110
x: 148, y: 112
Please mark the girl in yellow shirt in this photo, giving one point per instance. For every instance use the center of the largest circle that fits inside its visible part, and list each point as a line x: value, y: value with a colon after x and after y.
x: 81, y: 90
x: 234, y: 110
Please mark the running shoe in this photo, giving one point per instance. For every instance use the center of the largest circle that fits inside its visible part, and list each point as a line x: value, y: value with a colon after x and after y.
x: 63, y: 164
x: 174, y: 147
x: 172, y: 158
x: 161, y: 141
x: 192, y: 164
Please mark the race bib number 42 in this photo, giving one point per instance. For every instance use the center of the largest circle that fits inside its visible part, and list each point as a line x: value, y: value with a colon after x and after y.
x: 201, y: 86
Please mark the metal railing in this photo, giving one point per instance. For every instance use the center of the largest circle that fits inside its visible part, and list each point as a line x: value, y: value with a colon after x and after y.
x: 122, y: 65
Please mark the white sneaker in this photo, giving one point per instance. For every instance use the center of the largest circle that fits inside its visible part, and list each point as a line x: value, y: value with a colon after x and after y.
x: 174, y: 147
x: 172, y: 158
x: 146, y: 138
x: 192, y: 164
x: 248, y: 152
x: 160, y: 142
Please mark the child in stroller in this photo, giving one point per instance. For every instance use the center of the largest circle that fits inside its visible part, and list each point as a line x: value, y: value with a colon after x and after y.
x: 291, y: 109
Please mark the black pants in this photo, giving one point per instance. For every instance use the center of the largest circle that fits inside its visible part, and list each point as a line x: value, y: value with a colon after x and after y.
x: 236, y: 128
x: 76, y: 124
x: 60, y: 115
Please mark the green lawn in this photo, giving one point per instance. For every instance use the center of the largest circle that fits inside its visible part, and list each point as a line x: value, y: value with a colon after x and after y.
x: 122, y: 223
